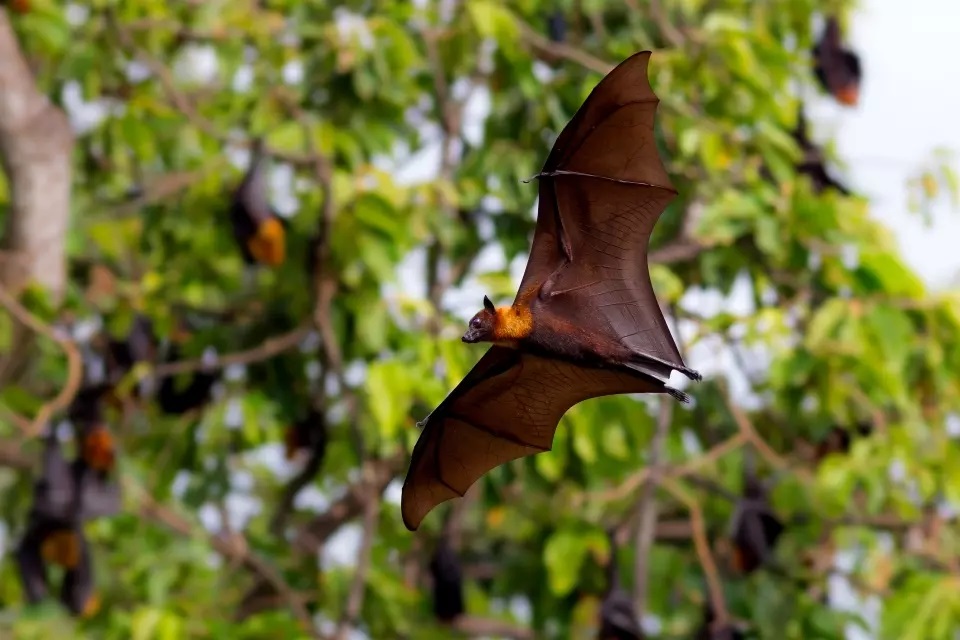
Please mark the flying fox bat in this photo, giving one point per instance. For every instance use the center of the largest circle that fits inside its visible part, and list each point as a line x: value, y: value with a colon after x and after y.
x: 618, y: 618
x: 585, y: 322
x: 67, y: 492
x: 47, y: 543
x: 837, y: 68
x: 64, y: 496
x: 140, y: 345
x: 259, y: 231
x: 310, y: 432
x: 447, y: 575
x: 177, y: 397
x: 755, y: 528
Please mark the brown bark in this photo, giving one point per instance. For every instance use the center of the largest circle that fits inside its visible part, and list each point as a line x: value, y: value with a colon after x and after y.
x: 36, y: 144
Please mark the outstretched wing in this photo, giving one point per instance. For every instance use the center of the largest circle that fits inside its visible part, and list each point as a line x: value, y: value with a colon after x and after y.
x: 507, y: 407
x: 602, y: 190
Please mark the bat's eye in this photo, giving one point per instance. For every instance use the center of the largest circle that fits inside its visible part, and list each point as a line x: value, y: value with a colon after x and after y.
x: 475, y: 323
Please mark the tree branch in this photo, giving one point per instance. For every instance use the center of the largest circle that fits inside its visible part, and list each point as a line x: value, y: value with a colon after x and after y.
x: 74, y: 361
x: 358, y: 586
x: 267, y: 349
x: 314, y: 533
x: 647, y: 505
x: 489, y: 628
x: 36, y: 144
x: 702, y: 545
x: 233, y: 547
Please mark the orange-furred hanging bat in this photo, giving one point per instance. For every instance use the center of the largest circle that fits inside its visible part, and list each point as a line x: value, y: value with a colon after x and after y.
x: 585, y: 322
x: 447, y: 573
x: 65, y: 495
x: 755, y: 528
x: 259, y: 231
x: 836, y: 67
x: 618, y: 617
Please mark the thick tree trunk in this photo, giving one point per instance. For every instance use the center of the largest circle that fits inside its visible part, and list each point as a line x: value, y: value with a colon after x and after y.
x: 36, y: 144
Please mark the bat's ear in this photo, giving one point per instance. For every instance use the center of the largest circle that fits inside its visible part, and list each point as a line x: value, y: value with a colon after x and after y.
x: 488, y: 305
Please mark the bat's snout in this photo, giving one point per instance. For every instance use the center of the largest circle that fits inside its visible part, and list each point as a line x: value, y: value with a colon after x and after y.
x: 471, y: 336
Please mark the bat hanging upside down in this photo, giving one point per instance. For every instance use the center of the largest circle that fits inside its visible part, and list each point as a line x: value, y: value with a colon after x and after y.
x: 585, y: 323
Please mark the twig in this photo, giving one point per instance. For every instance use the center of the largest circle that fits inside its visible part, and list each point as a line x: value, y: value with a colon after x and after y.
x: 233, y: 548
x: 632, y: 483
x: 12, y: 456
x: 375, y: 476
x: 490, y: 628
x: 182, y: 104
x: 682, y: 249
x: 315, y: 532
x: 358, y: 586
x: 702, y: 545
x: 160, y: 188
x: 746, y: 428
x: 265, y: 350
x: 670, y: 33
x: 306, y: 475
x: 74, y: 362
x: 562, y: 50
x: 647, y: 505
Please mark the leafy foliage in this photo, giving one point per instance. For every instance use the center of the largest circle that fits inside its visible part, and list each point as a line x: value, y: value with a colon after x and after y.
x: 349, y: 100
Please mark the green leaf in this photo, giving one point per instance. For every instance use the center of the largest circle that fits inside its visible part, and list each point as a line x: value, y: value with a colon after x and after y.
x: 563, y: 555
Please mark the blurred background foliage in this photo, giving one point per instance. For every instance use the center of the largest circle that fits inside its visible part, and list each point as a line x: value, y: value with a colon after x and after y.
x: 399, y: 137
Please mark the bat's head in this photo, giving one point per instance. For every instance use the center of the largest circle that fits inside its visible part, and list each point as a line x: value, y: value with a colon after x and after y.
x: 482, y: 325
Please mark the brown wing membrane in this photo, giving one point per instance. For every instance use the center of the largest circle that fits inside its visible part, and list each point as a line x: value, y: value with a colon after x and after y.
x: 602, y: 190
x: 507, y: 407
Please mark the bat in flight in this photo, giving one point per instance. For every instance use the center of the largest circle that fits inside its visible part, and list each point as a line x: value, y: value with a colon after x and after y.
x: 836, y: 67
x: 585, y: 322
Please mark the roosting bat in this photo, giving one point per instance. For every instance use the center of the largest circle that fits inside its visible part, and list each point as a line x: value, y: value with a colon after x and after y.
x: 64, y: 496
x: 447, y: 582
x: 837, y: 68
x: 259, y: 231
x: 618, y: 618
x: 585, y: 322
x: 557, y: 26
x: 140, y: 345
x: 839, y: 439
x: 755, y: 529
x: 178, y: 397
x: 309, y: 433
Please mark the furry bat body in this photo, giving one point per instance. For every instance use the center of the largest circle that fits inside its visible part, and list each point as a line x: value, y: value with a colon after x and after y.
x: 585, y: 322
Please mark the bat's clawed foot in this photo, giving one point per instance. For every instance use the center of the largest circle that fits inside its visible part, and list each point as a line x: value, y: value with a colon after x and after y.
x: 696, y: 376
x: 676, y: 393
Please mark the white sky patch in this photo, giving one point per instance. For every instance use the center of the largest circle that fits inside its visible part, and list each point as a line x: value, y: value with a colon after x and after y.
x: 393, y: 492
x: 197, y: 64
x: 293, y: 72
x: 341, y: 548
x: 84, y: 116
x: 243, y: 78
x: 76, y: 13
x: 312, y: 499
